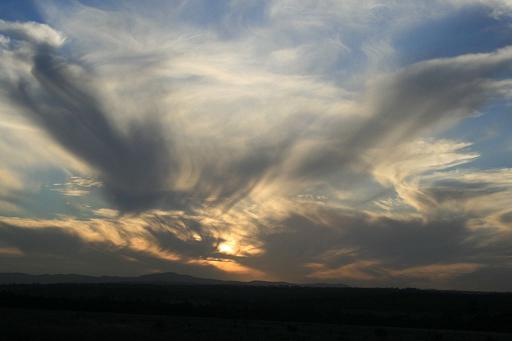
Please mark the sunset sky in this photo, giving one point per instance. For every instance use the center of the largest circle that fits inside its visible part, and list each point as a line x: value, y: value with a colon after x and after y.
x: 360, y: 142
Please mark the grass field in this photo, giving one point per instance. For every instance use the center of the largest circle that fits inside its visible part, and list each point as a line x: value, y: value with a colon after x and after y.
x: 20, y: 324
x: 220, y: 312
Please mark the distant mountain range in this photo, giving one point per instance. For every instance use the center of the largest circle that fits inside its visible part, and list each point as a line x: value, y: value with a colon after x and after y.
x: 164, y: 278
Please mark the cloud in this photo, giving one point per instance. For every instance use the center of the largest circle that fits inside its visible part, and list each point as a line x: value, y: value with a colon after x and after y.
x: 347, y: 246
x: 134, y: 165
x: 417, y: 99
x: 171, y: 239
x: 27, y: 156
x: 277, y: 139
x: 187, y: 167
x: 77, y: 186
x: 33, y: 32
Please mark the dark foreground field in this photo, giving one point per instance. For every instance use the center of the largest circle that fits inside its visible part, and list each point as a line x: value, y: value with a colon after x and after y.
x: 72, y: 325
x: 218, y: 312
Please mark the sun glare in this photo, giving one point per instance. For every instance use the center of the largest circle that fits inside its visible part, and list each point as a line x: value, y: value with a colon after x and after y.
x: 226, y: 248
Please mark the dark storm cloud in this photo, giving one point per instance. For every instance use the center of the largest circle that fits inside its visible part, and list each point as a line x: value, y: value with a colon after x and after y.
x: 135, y: 165
x: 48, y: 240
x: 411, y: 242
x: 344, y: 237
x: 495, y: 277
x: 139, y: 165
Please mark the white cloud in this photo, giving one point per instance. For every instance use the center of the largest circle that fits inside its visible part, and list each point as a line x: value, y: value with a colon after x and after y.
x: 31, y: 31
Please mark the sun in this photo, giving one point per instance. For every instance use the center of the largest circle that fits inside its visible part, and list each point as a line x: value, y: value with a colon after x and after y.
x: 226, y: 248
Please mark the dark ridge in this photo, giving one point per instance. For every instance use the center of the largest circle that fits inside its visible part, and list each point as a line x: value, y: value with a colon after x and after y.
x: 167, y: 278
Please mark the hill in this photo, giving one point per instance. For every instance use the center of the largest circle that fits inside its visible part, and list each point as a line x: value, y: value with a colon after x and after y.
x: 167, y: 278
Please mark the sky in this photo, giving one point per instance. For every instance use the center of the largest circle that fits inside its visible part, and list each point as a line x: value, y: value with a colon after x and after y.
x: 357, y: 142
